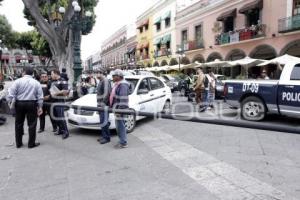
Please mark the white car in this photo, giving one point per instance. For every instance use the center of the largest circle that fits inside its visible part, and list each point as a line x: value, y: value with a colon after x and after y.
x: 148, y: 94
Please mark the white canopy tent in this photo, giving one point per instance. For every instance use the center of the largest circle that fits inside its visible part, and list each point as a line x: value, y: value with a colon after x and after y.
x: 247, y: 62
x: 282, y: 60
x: 217, y: 63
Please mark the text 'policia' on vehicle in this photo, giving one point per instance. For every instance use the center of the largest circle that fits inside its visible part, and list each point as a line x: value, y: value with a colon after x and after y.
x: 256, y: 98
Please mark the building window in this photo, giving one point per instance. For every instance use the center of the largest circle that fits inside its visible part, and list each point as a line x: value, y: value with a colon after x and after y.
x: 253, y: 17
x: 141, y: 29
x: 228, y: 24
x: 146, y: 27
x: 198, y: 34
x: 184, y: 37
x: 158, y: 26
x: 167, y: 22
x: 296, y: 8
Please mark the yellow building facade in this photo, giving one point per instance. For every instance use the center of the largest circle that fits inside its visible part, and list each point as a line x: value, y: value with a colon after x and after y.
x: 145, y: 49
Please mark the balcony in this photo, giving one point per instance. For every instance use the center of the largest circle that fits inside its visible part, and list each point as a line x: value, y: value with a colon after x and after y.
x: 163, y: 52
x: 191, y: 45
x: 253, y: 32
x: 289, y: 24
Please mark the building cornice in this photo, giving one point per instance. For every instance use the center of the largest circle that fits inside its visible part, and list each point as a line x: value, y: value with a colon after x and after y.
x: 194, y: 11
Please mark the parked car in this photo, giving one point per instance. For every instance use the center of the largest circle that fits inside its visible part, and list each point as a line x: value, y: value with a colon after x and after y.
x: 171, y: 81
x: 148, y: 94
x: 257, y: 98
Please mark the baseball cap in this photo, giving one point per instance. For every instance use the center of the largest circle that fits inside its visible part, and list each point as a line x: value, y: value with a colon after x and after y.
x: 118, y: 72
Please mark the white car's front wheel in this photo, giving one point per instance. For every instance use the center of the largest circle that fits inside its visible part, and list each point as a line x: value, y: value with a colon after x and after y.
x: 130, y: 122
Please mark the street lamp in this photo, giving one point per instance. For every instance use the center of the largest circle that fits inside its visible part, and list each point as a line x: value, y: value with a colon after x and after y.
x: 2, y: 48
x: 181, y: 54
x: 79, y: 25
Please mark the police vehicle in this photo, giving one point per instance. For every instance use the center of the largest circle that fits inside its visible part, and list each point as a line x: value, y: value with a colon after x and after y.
x: 256, y: 98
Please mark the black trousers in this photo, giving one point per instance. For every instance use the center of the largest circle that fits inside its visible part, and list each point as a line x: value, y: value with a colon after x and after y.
x: 26, y: 109
x: 60, y: 120
x: 47, y: 110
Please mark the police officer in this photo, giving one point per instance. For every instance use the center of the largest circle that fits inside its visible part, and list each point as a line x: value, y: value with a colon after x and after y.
x: 44, y: 80
x: 59, y: 91
x: 27, y: 95
x: 103, y: 93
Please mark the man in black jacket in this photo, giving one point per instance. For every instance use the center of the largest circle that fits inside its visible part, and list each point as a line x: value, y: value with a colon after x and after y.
x: 59, y: 92
x: 46, y: 106
x: 103, y: 93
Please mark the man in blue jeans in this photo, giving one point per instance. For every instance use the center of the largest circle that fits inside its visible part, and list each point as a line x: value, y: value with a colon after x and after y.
x: 119, y: 100
x: 103, y: 92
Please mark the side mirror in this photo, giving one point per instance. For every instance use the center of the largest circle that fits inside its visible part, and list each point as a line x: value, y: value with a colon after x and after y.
x: 143, y: 91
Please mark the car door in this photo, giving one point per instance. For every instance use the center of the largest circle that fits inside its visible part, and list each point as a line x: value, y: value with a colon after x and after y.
x: 143, y: 98
x: 289, y: 92
x: 158, y: 94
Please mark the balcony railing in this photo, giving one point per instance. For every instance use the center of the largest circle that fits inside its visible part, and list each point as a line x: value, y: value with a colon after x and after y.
x: 289, y: 24
x: 191, y: 45
x: 162, y: 52
x: 253, y: 32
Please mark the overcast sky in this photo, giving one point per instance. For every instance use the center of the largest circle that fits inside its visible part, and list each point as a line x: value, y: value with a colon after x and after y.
x: 111, y: 15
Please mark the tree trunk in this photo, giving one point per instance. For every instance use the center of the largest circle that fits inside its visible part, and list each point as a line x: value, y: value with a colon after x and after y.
x: 59, y: 40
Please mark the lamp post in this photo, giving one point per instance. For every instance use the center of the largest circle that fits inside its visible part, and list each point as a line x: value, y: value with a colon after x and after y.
x: 181, y: 54
x: 78, y: 25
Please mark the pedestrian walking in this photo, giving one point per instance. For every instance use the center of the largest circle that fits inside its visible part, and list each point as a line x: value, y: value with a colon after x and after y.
x: 199, y: 87
x: 45, y: 83
x: 119, y: 100
x: 103, y: 94
x: 59, y: 91
x: 212, y: 89
x: 27, y: 96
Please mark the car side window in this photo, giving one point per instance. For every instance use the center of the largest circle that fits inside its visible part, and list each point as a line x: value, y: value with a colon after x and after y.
x: 155, y: 84
x: 295, y: 75
x: 144, y: 85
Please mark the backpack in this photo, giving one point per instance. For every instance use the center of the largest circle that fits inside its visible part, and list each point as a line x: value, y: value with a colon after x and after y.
x: 206, y: 82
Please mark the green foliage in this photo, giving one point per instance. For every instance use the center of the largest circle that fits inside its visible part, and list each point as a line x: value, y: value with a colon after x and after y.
x: 34, y: 41
x: 6, y: 34
x: 49, y: 7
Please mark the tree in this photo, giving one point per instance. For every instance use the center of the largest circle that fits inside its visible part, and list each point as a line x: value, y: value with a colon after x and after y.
x: 41, y: 14
x: 7, y: 36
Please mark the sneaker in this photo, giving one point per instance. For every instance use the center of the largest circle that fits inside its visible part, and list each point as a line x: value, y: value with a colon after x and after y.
x: 65, y: 136
x: 104, y: 141
x: 121, y: 146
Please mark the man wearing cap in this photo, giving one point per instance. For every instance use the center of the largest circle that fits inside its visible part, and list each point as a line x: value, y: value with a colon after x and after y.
x: 119, y: 100
x: 103, y: 93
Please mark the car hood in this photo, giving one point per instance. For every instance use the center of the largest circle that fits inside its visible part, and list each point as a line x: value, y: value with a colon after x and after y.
x: 86, y: 100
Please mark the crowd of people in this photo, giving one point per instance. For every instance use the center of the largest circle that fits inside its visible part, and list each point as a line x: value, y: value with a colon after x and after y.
x: 32, y: 99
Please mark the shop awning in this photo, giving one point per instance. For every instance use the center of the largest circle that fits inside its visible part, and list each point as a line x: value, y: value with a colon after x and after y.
x: 166, y: 39
x: 257, y: 4
x: 157, y: 21
x: 167, y: 15
x: 230, y: 13
x: 131, y: 50
x: 144, y: 23
x: 157, y: 41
